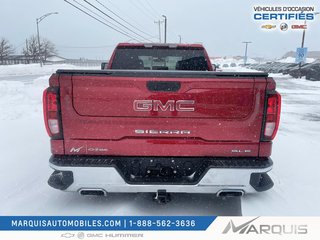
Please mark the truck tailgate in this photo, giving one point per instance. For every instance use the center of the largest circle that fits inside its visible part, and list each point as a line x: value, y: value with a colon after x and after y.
x: 104, y: 110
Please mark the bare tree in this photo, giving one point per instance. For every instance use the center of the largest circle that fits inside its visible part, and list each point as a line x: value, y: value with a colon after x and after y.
x: 31, y: 50
x: 47, y: 49
x: 6, y: 49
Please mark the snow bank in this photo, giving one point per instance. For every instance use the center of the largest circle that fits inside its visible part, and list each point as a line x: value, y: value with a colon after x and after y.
x: 293, y: 60
x: 34, y: 69
x: 230, y: 60
x: 19, y: 100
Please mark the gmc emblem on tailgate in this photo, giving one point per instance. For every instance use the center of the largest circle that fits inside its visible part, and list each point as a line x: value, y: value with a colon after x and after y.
x: 157, y: 105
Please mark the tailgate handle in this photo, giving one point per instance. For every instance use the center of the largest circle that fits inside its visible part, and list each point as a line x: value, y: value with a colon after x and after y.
x: 157, y: 86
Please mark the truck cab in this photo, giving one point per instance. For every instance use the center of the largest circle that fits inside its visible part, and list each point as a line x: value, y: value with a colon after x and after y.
x: 183, y: 57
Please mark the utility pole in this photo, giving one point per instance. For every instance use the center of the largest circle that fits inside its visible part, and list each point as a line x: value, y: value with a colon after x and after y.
x: 27, y: 52
x: 302, y: 41
x: 38, y: 20
x: 302, y: 45
x: 246, y: 53
x: 303, y: 35
x: 159, y: 23
x: 165, y: 28
x: 179, y: 38
x: 38, y: 36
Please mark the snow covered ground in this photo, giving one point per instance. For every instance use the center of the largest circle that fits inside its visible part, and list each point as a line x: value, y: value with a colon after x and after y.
x: 295, y: 154
x: 25, y: 152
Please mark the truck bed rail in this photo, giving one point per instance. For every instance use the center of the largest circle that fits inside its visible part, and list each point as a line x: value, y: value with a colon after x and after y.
x: 162, y: 74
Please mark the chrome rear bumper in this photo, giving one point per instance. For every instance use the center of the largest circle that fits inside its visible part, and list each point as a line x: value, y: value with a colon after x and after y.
x: 73, y: 175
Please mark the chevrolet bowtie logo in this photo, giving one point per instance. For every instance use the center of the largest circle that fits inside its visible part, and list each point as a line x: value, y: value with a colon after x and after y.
x: 268, y: 26
x: 67, y: 235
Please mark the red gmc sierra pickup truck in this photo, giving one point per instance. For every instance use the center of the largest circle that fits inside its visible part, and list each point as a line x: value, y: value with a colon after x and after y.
x: 159, y: 119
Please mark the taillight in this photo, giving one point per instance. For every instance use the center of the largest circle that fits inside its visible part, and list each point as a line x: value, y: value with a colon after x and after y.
x: 51, y: 112
x: 272, y: 116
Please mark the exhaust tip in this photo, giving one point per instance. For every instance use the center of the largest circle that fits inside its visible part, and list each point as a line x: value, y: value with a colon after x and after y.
x: 230, y: 193
x: 92, y: 192
x: 61, y: 179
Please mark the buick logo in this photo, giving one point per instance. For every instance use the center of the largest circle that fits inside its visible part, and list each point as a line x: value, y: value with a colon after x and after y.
x: 284, y: 27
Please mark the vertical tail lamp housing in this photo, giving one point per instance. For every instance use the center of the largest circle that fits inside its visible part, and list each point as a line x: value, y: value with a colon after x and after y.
x: 272, y: 116
x: 51, y: 111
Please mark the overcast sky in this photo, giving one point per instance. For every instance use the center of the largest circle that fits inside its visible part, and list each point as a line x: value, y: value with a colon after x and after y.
x: 221, y: 25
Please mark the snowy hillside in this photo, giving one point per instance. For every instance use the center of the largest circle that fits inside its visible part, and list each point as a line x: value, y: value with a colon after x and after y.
x: 25, y: 152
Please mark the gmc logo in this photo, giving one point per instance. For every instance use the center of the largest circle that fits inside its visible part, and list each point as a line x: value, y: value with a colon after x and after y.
x: 304, y: 26
x: 157, y: 105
